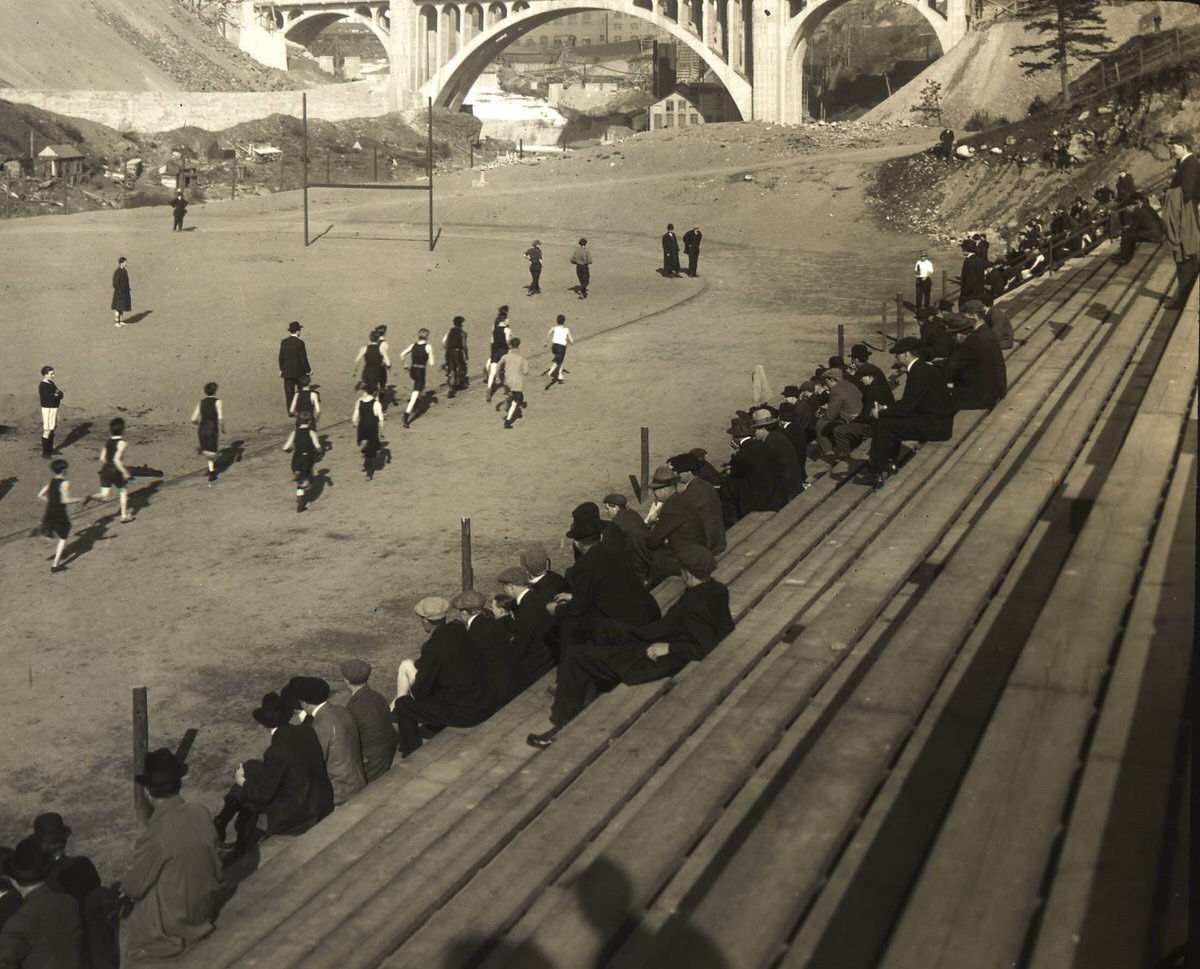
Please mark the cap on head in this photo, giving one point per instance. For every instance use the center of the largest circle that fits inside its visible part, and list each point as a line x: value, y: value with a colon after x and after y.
x: 859, y: 352
x: 535, y: 561
x: 908, y: 344
x: 974, y: 306
x: 699, y: 452
x: 513, y: 576
x: 433, y: 608
x: 808, y: 387
x: 616, y: 499
x: 685, y: 462
x: 469, y: 601
x: 833, y: 373
x: 664, y: 477
x: 355, y: 671
x: 698, y: 560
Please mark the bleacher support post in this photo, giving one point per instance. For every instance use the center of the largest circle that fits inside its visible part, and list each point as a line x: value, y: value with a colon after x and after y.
x: 645, y: 458
x: 141, y: 747
x: 899, y: 316
x: 883, y: 317
x: 468, y: 573
x: 842, y: 341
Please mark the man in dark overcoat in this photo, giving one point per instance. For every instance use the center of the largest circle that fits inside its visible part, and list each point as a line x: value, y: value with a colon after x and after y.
x: 46, y: 929
x: 294, y: 367
x: 703, y: 497
x: 674, y: 525
x: 976, y: 368
x: 755, y: 480
x: 493, y: 639
x: 122, y: 300
x: 670, y: 248
x: 972, y: 283
x: 691, y: 245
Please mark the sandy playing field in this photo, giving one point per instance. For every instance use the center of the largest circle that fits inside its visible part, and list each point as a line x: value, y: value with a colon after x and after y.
x: 214, y: 596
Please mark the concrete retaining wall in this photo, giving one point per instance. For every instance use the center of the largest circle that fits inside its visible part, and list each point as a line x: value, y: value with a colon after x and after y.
x: 214, y: 110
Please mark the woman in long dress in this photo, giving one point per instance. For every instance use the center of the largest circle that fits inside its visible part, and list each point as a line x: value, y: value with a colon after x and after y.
x: 122, y: 301
x: 211, y: 419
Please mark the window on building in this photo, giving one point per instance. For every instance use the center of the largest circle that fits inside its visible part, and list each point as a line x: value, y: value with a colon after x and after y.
x: 558, y: 42
x: 543, y: 40
x: 585, y: 42
x: 695, y: 118
x: 616, y: 38
x: 659, y: 121
x: 669, y: 106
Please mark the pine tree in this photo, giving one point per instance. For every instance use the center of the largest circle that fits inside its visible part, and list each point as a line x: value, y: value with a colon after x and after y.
x: 1075, y: 29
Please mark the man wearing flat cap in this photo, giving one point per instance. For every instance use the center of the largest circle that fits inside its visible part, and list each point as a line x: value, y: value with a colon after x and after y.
x: 996, y: 318
x: 601, y: 585
x: 925, y: 412
x: 634, y: 531
x: 451, y: 687
x: 338, y: 733
x: 693, y: 626
x: 493, y: 639
x: 976, y: 368
x: 703, y: 497
x: 674, y: 524
x: 372, y: 717
x: 175, y: 876
x: 46, y: 929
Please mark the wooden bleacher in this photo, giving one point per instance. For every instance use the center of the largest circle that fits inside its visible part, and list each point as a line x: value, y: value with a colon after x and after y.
x: 945, y: 731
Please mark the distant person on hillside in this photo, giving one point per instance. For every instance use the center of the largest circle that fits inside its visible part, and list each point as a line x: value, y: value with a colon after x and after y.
x: 210, y: 417
x: 534, y: 255
x: 581, y: 258
x: 179, y: 205
x: 924, y: 281
x: 1143, y: 225
x: 946, y: 143
x: 1181, y: 215
x: 455, y: 345
x: 670, y: 248
x: 691, y: 245
x: 294, y: 367
x: 420, y: 360
x: 122, y: 301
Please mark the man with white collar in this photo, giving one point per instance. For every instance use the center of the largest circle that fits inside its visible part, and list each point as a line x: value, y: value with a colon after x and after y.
x: 924, y: 413
x: 1181, y: 215
x: 338, y: 734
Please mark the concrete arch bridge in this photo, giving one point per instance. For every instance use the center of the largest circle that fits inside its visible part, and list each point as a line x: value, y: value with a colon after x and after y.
x: 437, y: 48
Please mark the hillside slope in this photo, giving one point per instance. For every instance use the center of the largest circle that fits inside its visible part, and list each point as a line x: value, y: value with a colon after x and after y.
x: 122, y: 45
x: 981, y: 73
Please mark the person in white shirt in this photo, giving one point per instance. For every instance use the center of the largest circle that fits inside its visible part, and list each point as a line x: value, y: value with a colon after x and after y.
x: 559, y: 337
x: 924, y: 282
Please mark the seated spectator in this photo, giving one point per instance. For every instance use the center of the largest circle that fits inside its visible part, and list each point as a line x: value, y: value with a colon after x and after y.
x: 976, y: 369
x: 338, y: 733
x: 45, y: 930
x: 175, y: 877
x: 1142, y: 225
x: 449, y: 684
x: 10, y: 898
x: 693, y: 626
x: 935, y: 341
x: 767, y: 429
x: 925, y: 412
x: 755, y: 481
x: 703, y: 496
x: 845, y: 404
x: 535, y: 635
x: 75, y: 875
x: 798, y: 418
x: 633, y: 529
x: 706, y: 469
x: 996, y: 318
x: 491, y: 632
x: 373, y: 718
x: 861, y: 367
x: 289, y: 785
x: 674, y: 525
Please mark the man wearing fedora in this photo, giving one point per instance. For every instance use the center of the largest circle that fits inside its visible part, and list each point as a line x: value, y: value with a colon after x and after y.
x: 372, y: 717
x: 451, y: 687
x: 976, y: 367
x: 755, y: 480
x: 601, y: 585
x: 175, y: 876
x: 294, y: 367
x: 845, y: 403
x: 925, y: 412
x: 338, y: 734
x: 693, y: 626
x: 795, y: 473
x: 289, y: 785
x: 46, y: 931
x: 75, y: 875
x: 674, y: 525
x: 703, y: 497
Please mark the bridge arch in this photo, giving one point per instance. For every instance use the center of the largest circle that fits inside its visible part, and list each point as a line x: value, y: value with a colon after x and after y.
x: 302, y: 28
x: 448, y: 85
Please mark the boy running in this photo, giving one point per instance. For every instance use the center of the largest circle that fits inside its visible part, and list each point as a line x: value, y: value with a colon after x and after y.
x: 420, y: 359
x: 515, y: 367
x: 559, y: 337
x: 113, y: 473
x: 55, y: 523
x: 304, y: 445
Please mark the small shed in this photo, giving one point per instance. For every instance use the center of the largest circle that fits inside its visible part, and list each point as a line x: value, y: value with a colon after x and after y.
x: 61, y: 161
x: 265, y: 153
x: 15, y: 166
x: 222, y: 149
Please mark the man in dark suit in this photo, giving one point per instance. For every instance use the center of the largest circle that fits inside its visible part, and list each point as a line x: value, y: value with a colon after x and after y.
x: 373, y: 718
x: 670, y: 247
x: 767, y: 430
x: 493, y: 639
x: 1142, y: 224
x: 601, y: 585
x: 293, y: 363
x: 674, y: 525
x: 46, y: 930
x: 974, y: 271
x: 450, y: 688
x: 703, y: 497
x: 925, y: 412
x: 534, y: 635
x: 691, y: 245
x: 693, y: 626
x: 74, y: 875
x: 634, y: 531
x: 936, y: 341
x: 289, y: 785
x: 755, y: 480
x: 338, y: 733
x: 976, y: 368
x: 1183, y: 227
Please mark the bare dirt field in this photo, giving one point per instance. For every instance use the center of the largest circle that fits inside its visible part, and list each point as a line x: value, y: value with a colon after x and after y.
x: 214, y: 596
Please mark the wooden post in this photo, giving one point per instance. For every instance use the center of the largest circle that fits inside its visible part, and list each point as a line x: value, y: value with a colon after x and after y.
x: 520, y: 147
x: 899, y: 316
x: 327, y: 178
x: 468, y: 574
x: 429, y: 168
x: 1117, y: 71
x: 883, y: 317
x: 645, y: 458
x: 1103, y: 77
x: 303, y: 162
x: 943, y: 296
x: 842, y: 341
x: 233, y: 178
x: 375, y: 164
x: 141, y: 747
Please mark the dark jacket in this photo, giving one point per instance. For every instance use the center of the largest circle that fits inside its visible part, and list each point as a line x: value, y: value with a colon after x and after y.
x: 974, y: 268
x: 705, y: 499
x: 691, y: 240
x: 376, y: 730
x: 451, y: 678
x: 755, y: 480
x: 935, y: 339
x: 793, y: 471
x: 879, y: 391
x: 678, y: 525
x: 290, y: 784
x: 502, y: 663
x: 293, y: 358
x: 977, y: 371
x: 926, y: 402
x: 692, y: 627
x: 997, y: 319
x: 603, y: 586
x: 535, y: 634
x: 44, y: 933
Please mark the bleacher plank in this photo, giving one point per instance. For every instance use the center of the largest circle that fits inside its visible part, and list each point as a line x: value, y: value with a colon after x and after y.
x: 984, y: 899
x: 1100, y: 906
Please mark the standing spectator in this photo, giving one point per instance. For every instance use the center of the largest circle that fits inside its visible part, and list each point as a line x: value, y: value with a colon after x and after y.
x: 376, y: 729
x: 449, y: 683
x: 122, y: 300
x: 338, y: 733
x: 534, y: 255
x: 420, y: 360
x: 55, y: 522
x: 691, y: 245
x: 674, y: 525
x: 1126, y: 188
x: 374, y: 359
x: 49, y: 396
x: 924, y: 281
x: 559, y: 337
x: 515, y: 367
x: 974, y: 269
x: 113, y: 473
x: 304, y: 446
x: 501, y: 335
x: 179, y: 206
x: 294, y: 367
x: 1181, y: 215
x: 46, y: 931
x: 211, y: 420
x: 581, y: 258
x: 946, y: 143
x: 670, y: 248
x: 175, y: 875
x: 368, y: 426
x: 457, y: 356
